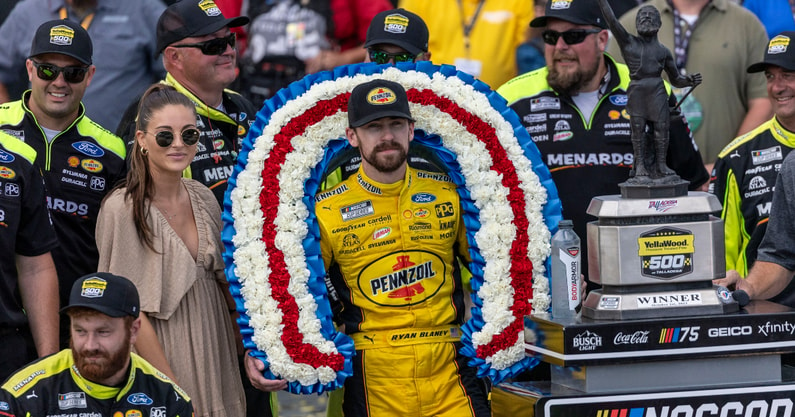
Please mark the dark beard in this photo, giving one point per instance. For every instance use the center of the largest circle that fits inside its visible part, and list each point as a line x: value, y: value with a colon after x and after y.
x: 386, y: 166
x: 570, y: 83
x: 112, y: 363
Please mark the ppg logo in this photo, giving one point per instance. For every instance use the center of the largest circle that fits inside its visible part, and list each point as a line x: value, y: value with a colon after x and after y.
x: 97, y: 183
x: 11, y: 190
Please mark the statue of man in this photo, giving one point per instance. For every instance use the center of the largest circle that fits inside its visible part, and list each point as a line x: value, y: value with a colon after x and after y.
x: 647, y: 98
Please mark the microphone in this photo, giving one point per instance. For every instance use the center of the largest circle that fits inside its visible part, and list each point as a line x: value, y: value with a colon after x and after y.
x: 741, y: 297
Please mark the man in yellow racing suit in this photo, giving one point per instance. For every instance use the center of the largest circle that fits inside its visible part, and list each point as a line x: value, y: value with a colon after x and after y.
x: 393, y: 233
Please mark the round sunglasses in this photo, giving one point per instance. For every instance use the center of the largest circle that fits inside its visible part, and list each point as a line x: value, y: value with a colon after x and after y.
x: 49, y: 72
x: 215, y: 46
x: 165, y: 138
x: 382, y: 57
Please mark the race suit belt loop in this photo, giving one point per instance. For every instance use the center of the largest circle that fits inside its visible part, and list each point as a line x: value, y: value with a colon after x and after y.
x: 406, y: 337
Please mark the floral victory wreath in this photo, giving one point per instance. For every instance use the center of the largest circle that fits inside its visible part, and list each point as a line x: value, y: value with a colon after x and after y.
x: 272, y: 240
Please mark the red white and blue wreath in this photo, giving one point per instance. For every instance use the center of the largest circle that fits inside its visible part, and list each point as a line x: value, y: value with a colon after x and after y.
x: 271, y: 236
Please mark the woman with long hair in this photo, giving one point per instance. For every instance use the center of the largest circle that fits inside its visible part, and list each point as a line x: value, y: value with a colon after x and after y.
x: 163, y: 232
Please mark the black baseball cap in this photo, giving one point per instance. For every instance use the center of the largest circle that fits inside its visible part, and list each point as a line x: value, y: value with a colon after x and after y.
x: 780, y: 52
x: 189, y: 18
x: 579, y: 12
x: 109, y: 294
x: 376, y: 99
x: 398, y: 27
x: 62, y: 37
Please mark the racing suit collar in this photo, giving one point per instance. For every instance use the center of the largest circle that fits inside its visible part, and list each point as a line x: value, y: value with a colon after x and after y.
x: 26, y: 96
x: 377, y: 188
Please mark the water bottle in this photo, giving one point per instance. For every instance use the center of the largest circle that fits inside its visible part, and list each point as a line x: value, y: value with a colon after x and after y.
x: 565, y: 272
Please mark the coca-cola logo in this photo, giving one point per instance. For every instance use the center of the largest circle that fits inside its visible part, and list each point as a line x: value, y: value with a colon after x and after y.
x: 640, y: 337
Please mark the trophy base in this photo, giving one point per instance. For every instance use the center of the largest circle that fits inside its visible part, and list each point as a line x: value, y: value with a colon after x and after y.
x: 656, y: 188
x: 649, y: 304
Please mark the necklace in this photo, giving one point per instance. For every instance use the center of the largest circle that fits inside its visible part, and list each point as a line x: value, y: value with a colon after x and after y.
x: 168, y: 216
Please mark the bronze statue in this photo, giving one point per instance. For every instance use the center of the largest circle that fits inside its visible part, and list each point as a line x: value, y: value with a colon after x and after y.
x: 647, y: 97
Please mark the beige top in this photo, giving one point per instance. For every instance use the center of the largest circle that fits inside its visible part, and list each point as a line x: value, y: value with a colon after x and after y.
x: 181, y: 297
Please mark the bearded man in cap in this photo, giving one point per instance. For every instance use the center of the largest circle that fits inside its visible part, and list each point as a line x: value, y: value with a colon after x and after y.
x: 80, y: 160
x: 744, y: 179
x: 368, y: 230
x: 98, y: 374
x: 575, y: 110
x: 199, y: 54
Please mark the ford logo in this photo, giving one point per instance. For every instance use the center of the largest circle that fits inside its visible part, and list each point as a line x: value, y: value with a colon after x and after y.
x: 619, y: 99
x: 88, y: 148
x: 6, y: 157
x: 423, y: 198
x: 139, y: 399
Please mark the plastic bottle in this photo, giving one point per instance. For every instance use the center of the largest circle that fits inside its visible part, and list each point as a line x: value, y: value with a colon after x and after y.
x: 565, y: 272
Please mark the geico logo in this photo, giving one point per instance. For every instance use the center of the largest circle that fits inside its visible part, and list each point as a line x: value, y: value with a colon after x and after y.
x: 730, y: 331
x: 56, y: 204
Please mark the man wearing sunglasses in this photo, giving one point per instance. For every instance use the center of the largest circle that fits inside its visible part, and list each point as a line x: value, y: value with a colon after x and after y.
x: 200, y: 58
x: 575, y: 112
x: 80, y: 160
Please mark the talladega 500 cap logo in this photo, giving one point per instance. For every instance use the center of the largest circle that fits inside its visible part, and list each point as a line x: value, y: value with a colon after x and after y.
x: 61, y: 35
x: 396, y: 23
x: 778, y: 45
x: 94, y: 288
x: 560, y: 4
x: 381, y: 95
x: 209, y: 7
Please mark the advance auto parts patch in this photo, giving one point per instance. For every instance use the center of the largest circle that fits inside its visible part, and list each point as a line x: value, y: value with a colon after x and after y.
x: 402, y: 278
x: 666, y: 253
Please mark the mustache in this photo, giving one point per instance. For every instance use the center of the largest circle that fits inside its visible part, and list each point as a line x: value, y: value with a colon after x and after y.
x: 387, y: 146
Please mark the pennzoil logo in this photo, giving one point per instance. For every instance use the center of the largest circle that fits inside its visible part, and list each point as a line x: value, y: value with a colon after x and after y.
x: 93, y: 288
x: 396, y: 23
x: 402, y: 278
x: 62, y: 35
x: 422, y: 213
x: 778, y: 45
x: 7, y: 173
x: 91, y: 165
x: 666, y: 253
x: 381, y: 95
x: 209, y: 8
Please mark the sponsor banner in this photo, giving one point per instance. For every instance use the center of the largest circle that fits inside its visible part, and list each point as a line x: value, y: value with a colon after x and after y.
x: 756, y: 401
x: 603, y: 342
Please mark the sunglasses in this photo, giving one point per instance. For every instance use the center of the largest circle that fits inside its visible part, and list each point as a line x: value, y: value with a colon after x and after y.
x: 215, y: 46
x: 381, y: 57
x: 49, y: 72
x: 165, y: 138
x: 571, y: 37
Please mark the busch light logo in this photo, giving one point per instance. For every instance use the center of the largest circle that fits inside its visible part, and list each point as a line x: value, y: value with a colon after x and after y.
x: 619, y: 99
x: 587, y: 341
x: 139, y: 399
x: 420, y: 198
x: 88, y: 148
x: 6, y: 157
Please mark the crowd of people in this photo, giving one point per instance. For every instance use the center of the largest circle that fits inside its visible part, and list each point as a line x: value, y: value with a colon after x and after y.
x: 115, y: 156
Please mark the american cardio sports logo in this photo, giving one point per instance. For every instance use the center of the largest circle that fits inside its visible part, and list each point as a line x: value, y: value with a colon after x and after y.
x: 402, y: 278
x: 666, y: 253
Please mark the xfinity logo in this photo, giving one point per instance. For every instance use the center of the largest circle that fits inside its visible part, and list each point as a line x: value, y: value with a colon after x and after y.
x: 769, y: 328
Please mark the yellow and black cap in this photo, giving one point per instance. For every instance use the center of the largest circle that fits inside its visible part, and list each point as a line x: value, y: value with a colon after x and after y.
x: 109, y: 294
x: 62, y: 37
